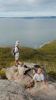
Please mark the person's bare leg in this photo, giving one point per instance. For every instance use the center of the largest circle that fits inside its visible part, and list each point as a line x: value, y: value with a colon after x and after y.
x: 19, y: 62
x: 16, y: 62
x: 45, y: 84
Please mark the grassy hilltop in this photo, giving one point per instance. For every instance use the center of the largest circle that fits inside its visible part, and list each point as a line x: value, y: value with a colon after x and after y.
x: 44, y: 55
x: 50, y: 51
x: 47, y: 53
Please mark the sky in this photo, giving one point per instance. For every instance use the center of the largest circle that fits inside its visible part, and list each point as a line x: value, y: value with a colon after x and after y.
x: 19, y: 8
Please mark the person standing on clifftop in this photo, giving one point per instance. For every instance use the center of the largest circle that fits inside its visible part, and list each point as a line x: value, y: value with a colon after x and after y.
x: 17, y: 53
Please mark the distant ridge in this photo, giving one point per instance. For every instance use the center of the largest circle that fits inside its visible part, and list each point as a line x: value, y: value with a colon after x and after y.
x: 30, y: 17
x: 49, y: 48
x: 39, y: 17
x: 48, y: 43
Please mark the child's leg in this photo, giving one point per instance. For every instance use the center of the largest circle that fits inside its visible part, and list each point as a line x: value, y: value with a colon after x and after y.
x: 16, y: 62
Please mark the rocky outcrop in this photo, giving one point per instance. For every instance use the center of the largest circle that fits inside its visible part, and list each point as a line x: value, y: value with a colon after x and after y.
x: 14, y: 88
x: 10, y: 90
x: 17, y: 75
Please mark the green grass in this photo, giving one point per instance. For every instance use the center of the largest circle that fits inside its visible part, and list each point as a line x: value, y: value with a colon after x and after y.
x: 45, y: 55
x: 5, y: 57
x: 49, y: 51
x: 3, y: 73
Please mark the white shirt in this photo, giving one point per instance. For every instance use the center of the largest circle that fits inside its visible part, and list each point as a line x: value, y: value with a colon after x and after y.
x: 16, y: 49
x: 38, y: 77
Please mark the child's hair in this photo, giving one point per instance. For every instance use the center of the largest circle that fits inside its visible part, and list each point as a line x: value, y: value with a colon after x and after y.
x: 36, y: 68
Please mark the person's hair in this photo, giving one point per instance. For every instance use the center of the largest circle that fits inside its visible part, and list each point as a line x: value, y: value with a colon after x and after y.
x: 36, y: 68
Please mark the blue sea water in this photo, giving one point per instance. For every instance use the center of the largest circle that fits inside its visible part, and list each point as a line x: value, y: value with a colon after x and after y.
x: 31, y: 32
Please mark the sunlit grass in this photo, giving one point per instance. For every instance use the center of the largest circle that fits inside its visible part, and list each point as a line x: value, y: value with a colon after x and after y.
x: 43, y: 56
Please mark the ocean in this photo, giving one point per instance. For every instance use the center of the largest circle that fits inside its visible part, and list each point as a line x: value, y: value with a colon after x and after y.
x: 31, y: 32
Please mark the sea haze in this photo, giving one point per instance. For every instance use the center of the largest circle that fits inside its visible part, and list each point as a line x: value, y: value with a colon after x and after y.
x: 31, y: 32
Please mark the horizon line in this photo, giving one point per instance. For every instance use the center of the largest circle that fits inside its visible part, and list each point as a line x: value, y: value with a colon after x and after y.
x: 29, y: 16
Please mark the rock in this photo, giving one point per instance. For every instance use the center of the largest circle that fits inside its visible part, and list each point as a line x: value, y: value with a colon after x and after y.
x: 10, y: 90
x: 43, y: 93
x: 10, y: 72
x: 21, y: 70
x: 14, y: 88
x: 17, y: 74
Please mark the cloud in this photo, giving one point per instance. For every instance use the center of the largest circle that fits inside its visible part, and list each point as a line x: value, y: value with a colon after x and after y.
x: 28, y: 5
